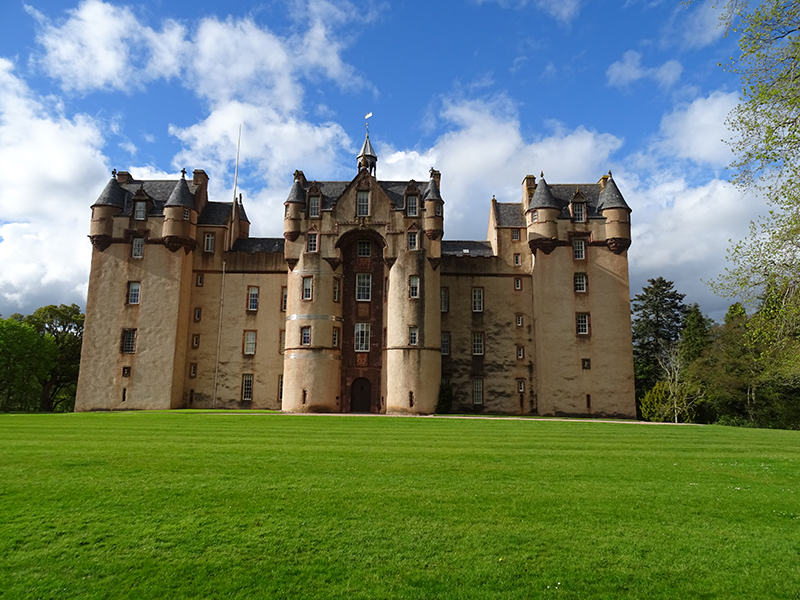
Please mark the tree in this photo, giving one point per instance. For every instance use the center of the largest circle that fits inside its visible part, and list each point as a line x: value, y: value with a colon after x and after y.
x: 25, y: 358
x: 658, y: 313
x: 64, y: 325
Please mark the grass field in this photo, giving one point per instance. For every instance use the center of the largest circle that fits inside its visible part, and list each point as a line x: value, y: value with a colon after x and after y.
x: 201, y: 505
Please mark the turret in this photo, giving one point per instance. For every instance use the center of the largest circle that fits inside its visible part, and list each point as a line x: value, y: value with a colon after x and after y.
x: 294, y: 205
x: 108, y: 205
x: 616, y: 211
x: 434, y: 208
x: 542, y: 218
x: 180, y: 217
x: 367, y: 159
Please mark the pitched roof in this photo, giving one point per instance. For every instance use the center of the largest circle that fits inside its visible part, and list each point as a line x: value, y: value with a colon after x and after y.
x: 112, y: 195
x: 215, y: 213
x: 509, y: 214
x: 432, y: 192
x: 457, y: 248
x: 543, y: 197
x: 253, y: 245
x: 181, y: 196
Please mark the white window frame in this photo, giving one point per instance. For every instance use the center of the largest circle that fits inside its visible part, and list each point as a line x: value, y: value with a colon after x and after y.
x: 477, y: 391
x: 520, y: 352
x: 579, y: 281
x: 249, y: 345
x: 284, y: 298
x: 305, y: 335
x: 335, y: 337
x: 519, y: 320
x: 582, y: 324
x: 412, y: 206
x: 362, y: 204
x: 134, y: 292
x: 517, y: 260
x: 579, y: 249
x: 579, y: 212
x: 478, y: 346
x: 413, y: 335
x: 361, y: 338
x: 517, y: 283
x: 209, y: 242
x: 437, y: 210
x: 413, y: 240
x: 311, y: 242
x: 186, y: 214
x: 521, y: 386
x: 313, y: 207
x: 363, y: 287
x: 515, y: 235
x: 336, y: 289
x: 535, y: 216
x: 477, y: 299
x: 307, y: 291
x: 137, y: 247
x: 445, y: 345
x: 252, y: 298
x: 139, y: 210
x: 413, y: 286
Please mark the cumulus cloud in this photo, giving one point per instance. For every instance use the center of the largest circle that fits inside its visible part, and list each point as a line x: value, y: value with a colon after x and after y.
x: 629, y: 70
x: 51, y: 168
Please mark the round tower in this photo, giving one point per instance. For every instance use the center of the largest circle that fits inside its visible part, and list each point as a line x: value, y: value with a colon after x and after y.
x: 542, y: 218
x: 180, y: 217
x: 294, y: 205
x: 434, y: 208
x: 616, y: 211
x: 108, y: 205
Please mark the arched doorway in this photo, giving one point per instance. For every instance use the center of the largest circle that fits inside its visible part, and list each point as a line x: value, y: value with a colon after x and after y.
x: 361, y: 396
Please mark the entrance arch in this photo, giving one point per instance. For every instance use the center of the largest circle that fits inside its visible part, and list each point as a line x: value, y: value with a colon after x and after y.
x: 361, y: 396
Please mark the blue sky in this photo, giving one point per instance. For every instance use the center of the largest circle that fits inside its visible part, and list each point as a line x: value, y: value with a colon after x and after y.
x: 485, y: 91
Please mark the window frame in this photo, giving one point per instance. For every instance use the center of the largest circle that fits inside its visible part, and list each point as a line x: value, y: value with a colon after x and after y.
x: 445, y: 343
x: 519, y: 320
x: 127, y: 342
x: 305, y: 335
x: 580, y: 283
x: 209, y: 242
x: 444, y: 299
x: 477, y: 298
x: 314, y: 207
x: 360, y: 244
x: 252, y: 300
x: 195, y: 340
x: 284, y: 299
x: 520, y: 386
x: 478, y: 343
x: 307, y: 289
x: 363, y: 291
x: 312, y: 241
x: 517, y: 260
x: 477, y: 391
x: 579, y: 212
x: 362, y: 334
x: 362, y: 204
x: 337, y: 287
x: 187, y: 214
x: 583, y: 325
x: 520, y: 352
x: 198, y: 280
x: 249, y: 342
x: 518, y: 283
x: 415, y: 205
x: 140, y: 210
x: 414, y: 287
x: 198, y: 314
x: 413, y: 335
x: 192, y: 370
x: 336, y: 337
x: 137, y: 247
x: 248, y: 384
x: 412, y: 241
x: 579, y: 249
x: 134, y: 295
x: 515, y: 235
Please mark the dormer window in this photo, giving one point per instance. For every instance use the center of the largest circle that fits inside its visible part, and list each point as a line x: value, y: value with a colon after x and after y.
x: 412, y: 206
x: 579, y: 212
x: 313, y: 207
x: 140, y: 211
x: 362, y: 204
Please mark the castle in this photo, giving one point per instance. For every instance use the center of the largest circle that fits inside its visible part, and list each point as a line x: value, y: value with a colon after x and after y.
x: 361, y: 306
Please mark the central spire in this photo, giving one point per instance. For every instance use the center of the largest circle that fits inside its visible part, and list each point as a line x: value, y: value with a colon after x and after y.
x: 367, y: 159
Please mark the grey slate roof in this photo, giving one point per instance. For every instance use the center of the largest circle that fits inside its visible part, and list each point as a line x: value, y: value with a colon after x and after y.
x: 509, y: 214
x: 432, y: 193
x: 456, y: 248
x: 215, y: 213
x: 297, y: 193
x: 253, y: 245
x: 366, y: 149
x: 112, y: 195
x: 332, y: 190
x: 611, y: 197
x: 181, y: 196
x: 543, y: 196
x: 242, y: 214
x: 157, y: 190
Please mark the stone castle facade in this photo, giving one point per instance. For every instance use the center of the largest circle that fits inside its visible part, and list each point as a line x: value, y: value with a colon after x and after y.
x: 361, y: 306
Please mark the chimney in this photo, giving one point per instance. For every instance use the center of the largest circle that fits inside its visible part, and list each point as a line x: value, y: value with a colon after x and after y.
x: 199, y: 177
x: 437, y: 177
x: 124, y: 177
x: 528, y: 187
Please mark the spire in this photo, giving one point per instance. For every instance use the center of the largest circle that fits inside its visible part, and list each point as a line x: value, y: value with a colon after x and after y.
x: 367, y: 159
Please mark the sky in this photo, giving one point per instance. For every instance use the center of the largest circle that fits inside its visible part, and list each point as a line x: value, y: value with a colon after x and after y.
x: 485, y: 91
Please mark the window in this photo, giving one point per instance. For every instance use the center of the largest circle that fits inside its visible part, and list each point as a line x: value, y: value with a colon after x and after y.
x: 361, y: 341
x: 307, y: 289
x: 198, y: 314
x: 137, y: 247
x: 128, y: 342
x: 515, y: 234
x: 363, y: 287
x: 134, y: 289
x: 535, y: 216
x: 521, y: 385
x: 579, y: 212
x: 140, y: 211
x: 208, y: 243
x: 311, y: 242
x: 437, y: 211
x: 582, y: 324
x: 249, y: 342
x: 445, y: 343
x: 477, y: 391
x: 517, y: 283
x: 519, y: 320
x: 477, y: 299
x: 364, y: 248
x: 280, y: 387
x: 520, y: 352
x: 413, y: 286
x: 305, y: 336
x: 517, y: 260
x: 412, y: 240
x: 335, y: 289
x: 413, y: 335
x: 252, y: 298
x: 579, y: 249
x: 192, y: 369
x: 247, y: 387
x: 412, y: 208
x: 444, y: 299
x: 284, y: 297
x: 586, y: 364
x: 199, y: 280
x: 362, y: 204
x: 282, y: 342
x: 579, y: 282
x: 126, y: 371
x: 186, y: 214
x: 335, y: 340
x: 477, y: 343
x: 195, y: 341
x: 313, y: 207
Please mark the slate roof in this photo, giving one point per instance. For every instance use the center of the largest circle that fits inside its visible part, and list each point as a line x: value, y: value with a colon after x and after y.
x: 432, y: 192
x: 611, y: 197
x: 181, y: 196
x: 332, y: 190
x: 157, y: 190
x: 509, y: 214
x: 112, y: 195
x: 366, y: 149
x: 560, y: 195
x: 215, y: 213
x: 543, y: 196
x: 456, y: 248
x: 253, y: 245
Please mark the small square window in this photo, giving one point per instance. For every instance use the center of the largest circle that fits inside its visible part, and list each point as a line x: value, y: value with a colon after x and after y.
x: 186, y: 214
x: 519, y: 320
x: 198, y: 314
x: 445, y: 343
x: 517, y: 260
x: 586, y: 364
x: 195, y: 341
x: 311, y: 242
x: 199, y: 280
x: 313, y: 208
x: 307, y: 288
x: 140, y: 211
x: 582, y: 324
x: 520, y: 352
x: 249, y: 342
x: 305, y: 336
x: 517, y: 283
x: 413, y: 240
x: 247, y: 387
x: 128, y: 341
x: 193, y: 370
x: 477, y: 343
x: 413, y: 286
x: 252, y: 298
x: 134, y: 292
x: 579, y: 249
x: 137, y: 247
x: 364, y: 248
x: 412, y: 207
x: 413, y: 335
x: 362, y: 204
x: 477, y: 299
x: 515, y: 234
x: 209, y: 241
x: 579, y: 282
x: 444, y: 299
x: 477, y: 391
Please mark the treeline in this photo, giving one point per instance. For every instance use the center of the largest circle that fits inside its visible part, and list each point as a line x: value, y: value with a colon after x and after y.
x: 742, y: 372
x: 40, y: 356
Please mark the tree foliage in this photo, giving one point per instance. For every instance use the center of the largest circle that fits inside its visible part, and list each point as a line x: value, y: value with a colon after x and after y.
x: 25, y: 358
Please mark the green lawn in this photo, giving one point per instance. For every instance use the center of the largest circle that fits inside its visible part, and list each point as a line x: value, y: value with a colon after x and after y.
x: 199, y: 504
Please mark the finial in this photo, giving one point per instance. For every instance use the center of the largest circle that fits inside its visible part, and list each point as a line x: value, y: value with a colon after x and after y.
x: 493, y: 198
x: 609, y: 172
x: 183, y: 173
x: 368, y: 115
x: 114, y: 173
x: 541, y: 174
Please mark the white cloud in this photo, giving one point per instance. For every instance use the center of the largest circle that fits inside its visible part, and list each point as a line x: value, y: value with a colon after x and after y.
x: 629, y: 70
x: 51, y: 169
x: 700, y: 26
x: 563, y: 10
x: 696, y: 130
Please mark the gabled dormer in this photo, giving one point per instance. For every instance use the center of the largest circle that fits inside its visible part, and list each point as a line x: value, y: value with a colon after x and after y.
x: 577, y: 207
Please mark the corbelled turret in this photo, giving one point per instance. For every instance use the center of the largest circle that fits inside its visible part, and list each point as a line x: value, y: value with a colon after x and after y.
x: 542, y: 218
x: 180, y: 217
x: 110, y: 203
x: 613, y: 207
x: 294, y: 204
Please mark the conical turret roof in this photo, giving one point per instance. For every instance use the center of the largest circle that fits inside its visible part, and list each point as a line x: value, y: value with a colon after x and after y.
x: 611, y: 197
x: 543, y: 197
x: 432, y: 192
x: 297, y: 193
x: 367, y: 150
x: 181, y: 196
x: 112, y: 195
